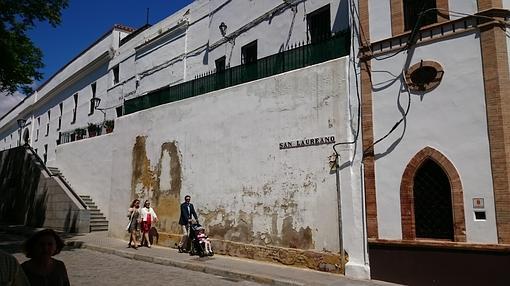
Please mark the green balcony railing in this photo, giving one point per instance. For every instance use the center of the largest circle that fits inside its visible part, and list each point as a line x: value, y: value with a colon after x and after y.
x: 298, y: 56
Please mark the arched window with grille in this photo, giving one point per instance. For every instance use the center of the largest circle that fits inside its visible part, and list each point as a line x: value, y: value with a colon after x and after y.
x: 432, y: 202
x: 431, y: 197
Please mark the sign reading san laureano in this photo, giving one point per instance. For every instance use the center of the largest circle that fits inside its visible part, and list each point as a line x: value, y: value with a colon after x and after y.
x: 308, y: 142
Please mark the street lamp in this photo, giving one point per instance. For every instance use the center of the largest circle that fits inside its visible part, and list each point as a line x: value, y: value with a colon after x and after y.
x: 223, y: 29
x: 95, y: 102
x: 21, y: 124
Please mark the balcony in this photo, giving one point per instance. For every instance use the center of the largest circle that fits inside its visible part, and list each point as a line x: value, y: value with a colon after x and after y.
x: 298, y: 56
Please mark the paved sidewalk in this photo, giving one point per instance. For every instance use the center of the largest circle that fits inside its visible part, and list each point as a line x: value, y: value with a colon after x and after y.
x: 226, y: 266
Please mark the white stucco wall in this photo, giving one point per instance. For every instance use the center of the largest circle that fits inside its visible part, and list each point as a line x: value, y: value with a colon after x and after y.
x: 87, y: 165
x: 451, y: 118
x: 380, y: 19
x: 462, y: 6
x: 506, y: 4
x: 229, y: 143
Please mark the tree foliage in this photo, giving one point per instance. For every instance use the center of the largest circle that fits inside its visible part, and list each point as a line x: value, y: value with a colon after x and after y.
x: 20, y: 59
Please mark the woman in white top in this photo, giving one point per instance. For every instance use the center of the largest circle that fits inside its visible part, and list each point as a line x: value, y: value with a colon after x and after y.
x: 148, y: 216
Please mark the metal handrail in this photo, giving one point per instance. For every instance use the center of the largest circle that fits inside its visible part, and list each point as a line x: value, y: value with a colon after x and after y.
x: 41, y: 162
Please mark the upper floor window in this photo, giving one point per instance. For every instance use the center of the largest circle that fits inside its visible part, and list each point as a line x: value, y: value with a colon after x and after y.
x: 93, y: 89
x: 412, y: 10
x: 220, y: 64
x: 75, y: 107
x: 319, y: 24
x: 61, y: 108
x: 249, y: 53
x: 45, y: 155
x: 48, y: 123
x: 38, y: 126
x: 115, y: 72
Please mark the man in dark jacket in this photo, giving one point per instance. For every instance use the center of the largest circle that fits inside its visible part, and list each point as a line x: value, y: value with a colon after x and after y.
x: 187, y: 214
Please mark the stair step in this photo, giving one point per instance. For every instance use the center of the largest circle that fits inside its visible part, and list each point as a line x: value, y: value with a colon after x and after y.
x: 101, y: 228
x: 96, y: 215
x: 99, y: 223
x: 98, y: 219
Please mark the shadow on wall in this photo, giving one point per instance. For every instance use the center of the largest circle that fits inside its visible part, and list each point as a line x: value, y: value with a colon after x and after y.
x: 71, y: 220
x: 19, y: 179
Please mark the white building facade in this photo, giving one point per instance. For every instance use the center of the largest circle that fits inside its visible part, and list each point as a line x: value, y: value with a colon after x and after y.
x: 390, y: 149
x: 436, y: 175
x: 257, y: 157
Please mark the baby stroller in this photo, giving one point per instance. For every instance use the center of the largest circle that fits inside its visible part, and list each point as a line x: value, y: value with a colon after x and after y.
x: 196, y: 247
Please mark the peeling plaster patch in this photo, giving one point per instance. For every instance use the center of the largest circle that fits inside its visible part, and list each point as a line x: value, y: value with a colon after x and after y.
x: 301, y: 239
x: 168, y: 203
x: 162, y: 184
x: 322, y: 261
x: 239, y: 228
x: 142, y: 177
x: 310, y: 185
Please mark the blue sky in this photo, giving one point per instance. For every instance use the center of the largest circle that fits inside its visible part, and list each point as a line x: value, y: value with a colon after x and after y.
x: 83, y: 22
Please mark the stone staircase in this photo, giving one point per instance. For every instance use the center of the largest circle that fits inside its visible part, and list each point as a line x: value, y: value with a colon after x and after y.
x: 98, y: 221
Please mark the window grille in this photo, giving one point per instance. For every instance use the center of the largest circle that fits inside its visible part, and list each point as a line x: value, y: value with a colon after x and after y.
x: 432, y: 202
x: 412, y: 10
x: 319, y: 24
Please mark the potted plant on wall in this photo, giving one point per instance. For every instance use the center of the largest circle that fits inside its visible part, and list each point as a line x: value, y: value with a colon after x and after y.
x: 92, y: 129
x: 80, y: 132
x: 109, y: 124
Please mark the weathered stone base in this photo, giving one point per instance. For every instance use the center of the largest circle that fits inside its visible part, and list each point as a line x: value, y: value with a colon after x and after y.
x: 321, y: 261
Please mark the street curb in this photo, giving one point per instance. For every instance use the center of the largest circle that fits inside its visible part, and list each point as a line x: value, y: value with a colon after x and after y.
x: 228, y: 273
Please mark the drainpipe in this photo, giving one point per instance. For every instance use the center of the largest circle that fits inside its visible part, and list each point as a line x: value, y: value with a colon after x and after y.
x: 363, y: 214
x: 340, y: 225
x: 184, y: 61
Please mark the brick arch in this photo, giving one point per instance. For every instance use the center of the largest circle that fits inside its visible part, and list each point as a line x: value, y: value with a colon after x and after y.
x: 407, y: 198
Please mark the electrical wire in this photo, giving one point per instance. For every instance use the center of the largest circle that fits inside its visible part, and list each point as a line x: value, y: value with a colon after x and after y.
x: 412, y: 40
x: 404, y: 116
x: 358, y: 96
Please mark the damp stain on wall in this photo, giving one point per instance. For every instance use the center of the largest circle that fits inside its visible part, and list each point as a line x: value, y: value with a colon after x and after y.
x: 142, y: 177
x: 227, y: 224
x: 169, y: 193
x: 161, y: 184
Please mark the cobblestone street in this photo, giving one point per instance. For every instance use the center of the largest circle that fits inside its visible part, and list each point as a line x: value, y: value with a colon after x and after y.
x: 96, y: 259
x: 87, y: 267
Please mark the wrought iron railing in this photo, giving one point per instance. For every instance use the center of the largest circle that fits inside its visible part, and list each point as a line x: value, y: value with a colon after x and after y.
x: 81, y: 133
x: 298, y: 56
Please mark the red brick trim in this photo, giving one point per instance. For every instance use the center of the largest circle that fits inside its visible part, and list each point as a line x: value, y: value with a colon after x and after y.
x: 488, y: 4
x: 406, y: 194
x: 364, y: 22
x: 427, y: 86
x: 397, y: 17
x: 367, y: 126
x: 497, y: 83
